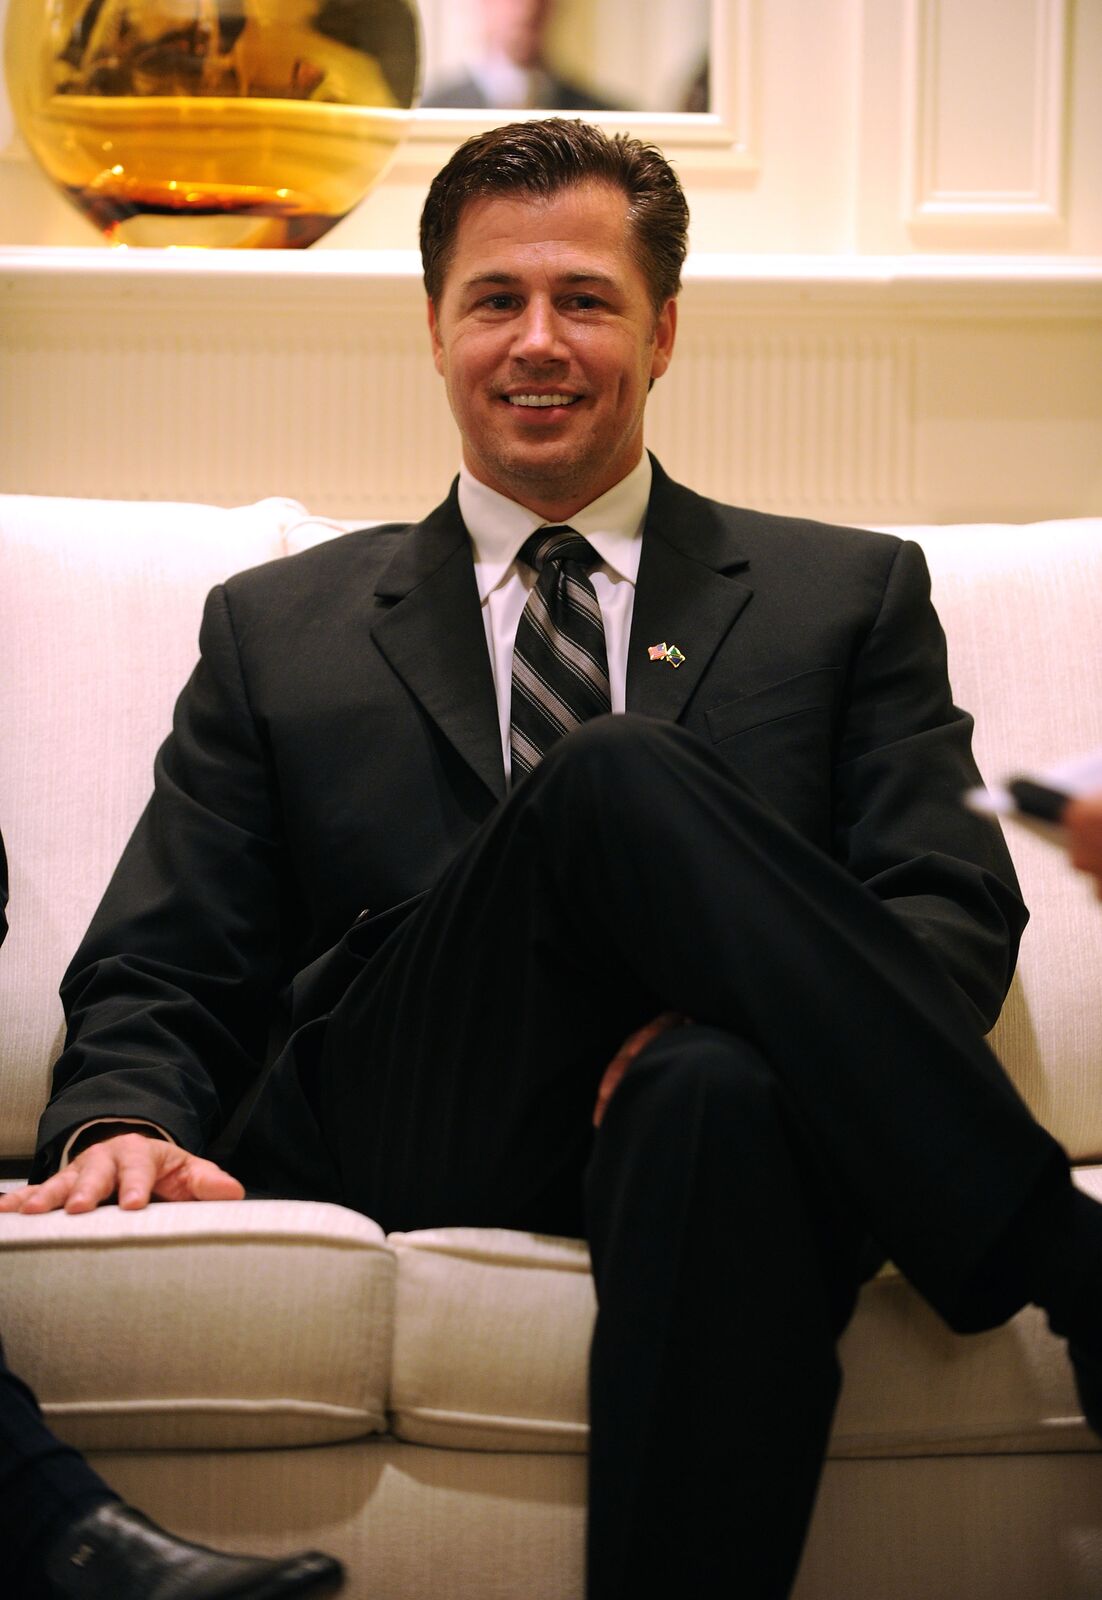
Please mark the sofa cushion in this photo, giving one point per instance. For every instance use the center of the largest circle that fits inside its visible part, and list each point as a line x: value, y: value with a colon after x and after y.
x: 1022, y: 612
x: 222, y: 1324
x: 913, y: 1388
x: 491, y: 1340
x: 99, y: 618
x: 491, y: 1346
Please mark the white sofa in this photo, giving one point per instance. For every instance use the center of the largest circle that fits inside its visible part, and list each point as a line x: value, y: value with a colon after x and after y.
x: 268, y: 1375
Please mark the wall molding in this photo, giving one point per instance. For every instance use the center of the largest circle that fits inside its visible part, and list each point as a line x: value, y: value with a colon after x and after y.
x: 708, y: 144
x: 866, y: 389
x: 933, y: 202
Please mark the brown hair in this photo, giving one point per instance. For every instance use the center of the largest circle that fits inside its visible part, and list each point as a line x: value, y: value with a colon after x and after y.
x: 542, y: 158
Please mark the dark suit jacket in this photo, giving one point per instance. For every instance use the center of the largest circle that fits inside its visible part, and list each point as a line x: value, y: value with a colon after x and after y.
x: 338, y: 743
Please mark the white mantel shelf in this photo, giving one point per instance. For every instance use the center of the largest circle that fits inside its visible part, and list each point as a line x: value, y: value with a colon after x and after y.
x: 972, y: 284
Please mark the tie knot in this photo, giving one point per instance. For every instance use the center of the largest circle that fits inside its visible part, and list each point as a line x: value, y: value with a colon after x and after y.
x: 558, y: 545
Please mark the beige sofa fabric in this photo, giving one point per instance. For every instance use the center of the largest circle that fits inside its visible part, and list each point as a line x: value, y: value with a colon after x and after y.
x: 223, y: 1325
x: 1022, y: 611
x: 268, y: 1323
x: 454, y: 1525
x: 491, y: 1344
x: 491, y: 1340
x: 412, y: 1523
x: 415, y: 1522
x: 99, y: 616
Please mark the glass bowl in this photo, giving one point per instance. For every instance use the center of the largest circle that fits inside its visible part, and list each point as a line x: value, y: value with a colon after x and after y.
x: 234, y: 123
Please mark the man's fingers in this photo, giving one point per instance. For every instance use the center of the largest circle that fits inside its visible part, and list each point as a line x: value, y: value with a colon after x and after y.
x: 39, y: 1197
x: 170, y: 1173
x: 626, y: 1054
x: 1083, y: 822
x: 138, y: 1162
x: 613, y: 1073
x: 194, y: 1178
x: 135, y: 1167
x: 81, y: 1187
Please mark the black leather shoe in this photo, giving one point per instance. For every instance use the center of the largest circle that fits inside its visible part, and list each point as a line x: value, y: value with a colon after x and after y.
x: 114, y: 1553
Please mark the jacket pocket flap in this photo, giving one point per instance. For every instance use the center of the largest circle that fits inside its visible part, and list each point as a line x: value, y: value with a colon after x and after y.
x: 807, y: 691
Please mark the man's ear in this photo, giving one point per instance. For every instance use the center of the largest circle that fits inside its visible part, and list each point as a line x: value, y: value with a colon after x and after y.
x: 434, y: 335
x: 665, y: 331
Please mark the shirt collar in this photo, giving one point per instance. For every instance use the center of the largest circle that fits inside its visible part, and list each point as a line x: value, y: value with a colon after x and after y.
x: 498, y: 526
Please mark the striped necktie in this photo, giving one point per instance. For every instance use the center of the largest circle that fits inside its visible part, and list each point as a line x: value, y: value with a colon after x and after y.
x: 560, y: 668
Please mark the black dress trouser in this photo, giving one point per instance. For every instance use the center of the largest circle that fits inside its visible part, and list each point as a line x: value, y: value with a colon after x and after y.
x: 833, y: 1089
x: 44, y: 1485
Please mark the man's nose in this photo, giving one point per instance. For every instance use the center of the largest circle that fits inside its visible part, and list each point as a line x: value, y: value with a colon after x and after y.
x: 538, y: 333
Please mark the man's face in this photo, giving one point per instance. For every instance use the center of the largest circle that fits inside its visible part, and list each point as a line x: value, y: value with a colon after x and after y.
x: 547, y: 341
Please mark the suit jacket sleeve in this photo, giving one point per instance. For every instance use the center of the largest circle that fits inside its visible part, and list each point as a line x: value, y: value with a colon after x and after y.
x: 170, y: 994
x: 904, y: 759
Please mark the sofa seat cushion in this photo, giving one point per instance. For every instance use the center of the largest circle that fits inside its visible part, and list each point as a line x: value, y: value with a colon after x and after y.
x: 913, y: 1388
x: 224, y: 1324
x: 491, y: 1340
x: 491, y: 1346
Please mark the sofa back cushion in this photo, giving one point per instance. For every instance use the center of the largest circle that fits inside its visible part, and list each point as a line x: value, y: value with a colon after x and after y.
x: 1022, y: 612
x: 99, y: 614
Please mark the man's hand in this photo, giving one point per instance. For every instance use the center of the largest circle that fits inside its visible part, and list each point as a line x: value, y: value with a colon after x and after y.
x: 626, y: 1054
x: 138, y: 1169
x: 1083, y: 821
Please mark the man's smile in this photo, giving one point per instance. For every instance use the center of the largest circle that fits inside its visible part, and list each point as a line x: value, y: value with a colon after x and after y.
x: 541, y: 400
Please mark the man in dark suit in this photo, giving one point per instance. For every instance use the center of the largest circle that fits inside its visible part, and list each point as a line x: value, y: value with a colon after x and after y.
x: 513, y: 67
x: 769, y: 843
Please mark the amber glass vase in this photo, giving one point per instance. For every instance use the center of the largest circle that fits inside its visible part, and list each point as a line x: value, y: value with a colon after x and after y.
x: 204, y: 123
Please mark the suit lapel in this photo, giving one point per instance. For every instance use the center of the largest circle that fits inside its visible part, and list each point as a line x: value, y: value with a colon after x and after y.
x: 684, y: 597
x: 433, y: 637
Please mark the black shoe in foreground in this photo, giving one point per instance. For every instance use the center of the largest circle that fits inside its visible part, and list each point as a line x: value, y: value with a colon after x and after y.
x: 114, y: 1553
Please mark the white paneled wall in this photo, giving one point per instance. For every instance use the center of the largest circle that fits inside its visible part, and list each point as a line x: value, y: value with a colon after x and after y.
x: 837, y: 125
x: 875, y: 392
x: 986, y: 129
x: 893, y: 310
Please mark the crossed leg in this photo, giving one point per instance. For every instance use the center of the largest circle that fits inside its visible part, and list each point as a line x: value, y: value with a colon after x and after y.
x: 455, y: 1081
x: 633, y: 874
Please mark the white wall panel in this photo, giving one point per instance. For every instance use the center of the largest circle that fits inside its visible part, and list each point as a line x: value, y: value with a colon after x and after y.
x: 801, y: 415
x: 873, y: 395
x: 986, y: 108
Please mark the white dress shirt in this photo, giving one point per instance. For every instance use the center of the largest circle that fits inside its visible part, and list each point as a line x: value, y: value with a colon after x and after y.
x: 498, y: 527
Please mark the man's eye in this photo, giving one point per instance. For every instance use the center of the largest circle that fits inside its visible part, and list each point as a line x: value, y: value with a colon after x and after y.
x: 585, y: 302
x: 499, y: 302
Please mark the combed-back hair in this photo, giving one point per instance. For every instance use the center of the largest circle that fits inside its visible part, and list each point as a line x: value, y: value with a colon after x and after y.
x: 543, y: 157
